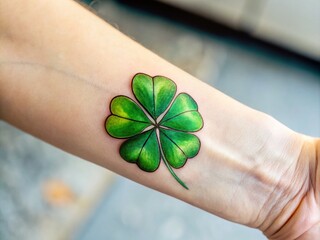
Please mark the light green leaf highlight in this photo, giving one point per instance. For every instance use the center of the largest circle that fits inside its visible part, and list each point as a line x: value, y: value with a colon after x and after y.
x: 183, y: 115
x: 164, y: 91
x: 188, y: 143
x: 154, y: 94
x: 127, y: 118
x: 125, y: 107
x: 142, y: 87
x: 187, y: 121
x: 123, y: 128
x: 172, y: 153
x: 183, y: 102
x: 142, y: 149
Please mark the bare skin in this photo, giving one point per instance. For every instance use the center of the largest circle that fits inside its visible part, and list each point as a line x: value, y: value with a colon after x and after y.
x: 56, y: 81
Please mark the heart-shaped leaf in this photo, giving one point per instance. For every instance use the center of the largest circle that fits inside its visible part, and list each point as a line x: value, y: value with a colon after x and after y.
x: 154, y: 94
x: 183, y: 115
x: 142, y: 149
x: 188, y: 143
x: 127, y: 118
x: 173, y: 154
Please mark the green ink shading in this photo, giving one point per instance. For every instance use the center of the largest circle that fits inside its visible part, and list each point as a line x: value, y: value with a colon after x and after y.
x: 150, y: 139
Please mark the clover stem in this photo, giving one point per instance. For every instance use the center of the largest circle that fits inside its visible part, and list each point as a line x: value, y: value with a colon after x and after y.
x: 173, y: 173
x: 168, y: 165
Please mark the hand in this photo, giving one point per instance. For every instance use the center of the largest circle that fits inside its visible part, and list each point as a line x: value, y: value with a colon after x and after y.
x: 303, y: 211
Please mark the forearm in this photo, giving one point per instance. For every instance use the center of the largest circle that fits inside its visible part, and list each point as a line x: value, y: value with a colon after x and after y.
x: 60, y: 66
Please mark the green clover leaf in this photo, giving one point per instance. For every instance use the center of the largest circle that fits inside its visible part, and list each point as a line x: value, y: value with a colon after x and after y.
x: 157, y: 127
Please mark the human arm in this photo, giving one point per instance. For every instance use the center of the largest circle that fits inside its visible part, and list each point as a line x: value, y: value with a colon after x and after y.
x: 60, y: 68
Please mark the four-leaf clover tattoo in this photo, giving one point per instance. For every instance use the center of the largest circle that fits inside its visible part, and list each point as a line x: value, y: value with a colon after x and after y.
x: 157, y: 126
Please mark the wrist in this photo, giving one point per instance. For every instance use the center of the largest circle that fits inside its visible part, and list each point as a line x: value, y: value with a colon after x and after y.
x: 245, y: 165
x: 300, y: 215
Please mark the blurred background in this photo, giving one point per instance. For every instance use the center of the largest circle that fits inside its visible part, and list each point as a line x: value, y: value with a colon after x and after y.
x: 264, y: 53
